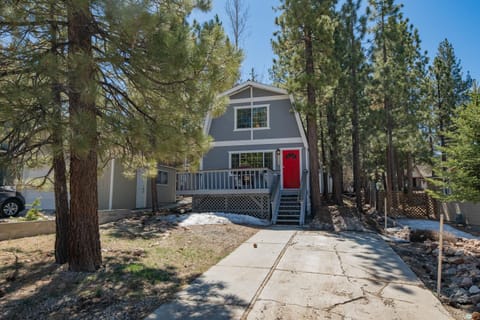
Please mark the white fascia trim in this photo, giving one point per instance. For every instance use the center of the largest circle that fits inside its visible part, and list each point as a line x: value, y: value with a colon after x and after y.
x: 232, y: 143
x: 260, y: 99
x: 246, y: 84
x: 207, y: 123
x: 300, y: 125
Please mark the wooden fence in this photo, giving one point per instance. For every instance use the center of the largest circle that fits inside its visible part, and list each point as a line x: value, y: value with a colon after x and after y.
x: 421, y: 205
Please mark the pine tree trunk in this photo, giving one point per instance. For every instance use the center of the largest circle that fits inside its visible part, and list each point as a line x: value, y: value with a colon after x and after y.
x: 314, y: 167
x: 59, y: 165
x: 400, y: 172
x: 154, y: 192
x: 312, y: 134
x: 335, y: 160
x: 324, y: 157
x: 410, y: 177
x: 388, y: 120
x: 388, y: 176
x: 61, y: 208
x: 84, y: 238
x: 355, y: 137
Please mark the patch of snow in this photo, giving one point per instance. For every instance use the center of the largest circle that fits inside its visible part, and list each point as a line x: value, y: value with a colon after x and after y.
x: 417, y: 224
x: 213, y: 218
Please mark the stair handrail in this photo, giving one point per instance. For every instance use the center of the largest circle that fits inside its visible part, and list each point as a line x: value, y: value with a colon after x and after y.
x: 275, y: 203
x: 302, y: 196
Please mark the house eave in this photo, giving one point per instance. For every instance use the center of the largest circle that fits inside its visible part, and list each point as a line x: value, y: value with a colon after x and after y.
x: 253, y: 84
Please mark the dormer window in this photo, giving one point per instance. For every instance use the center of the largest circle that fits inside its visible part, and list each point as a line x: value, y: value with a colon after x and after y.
x: 247, y: 118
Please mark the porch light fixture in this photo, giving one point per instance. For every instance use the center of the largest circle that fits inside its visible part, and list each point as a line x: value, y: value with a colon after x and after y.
x: 277, y: 152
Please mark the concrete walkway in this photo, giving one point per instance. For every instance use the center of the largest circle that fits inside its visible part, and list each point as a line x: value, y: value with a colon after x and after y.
x: 294, y: 274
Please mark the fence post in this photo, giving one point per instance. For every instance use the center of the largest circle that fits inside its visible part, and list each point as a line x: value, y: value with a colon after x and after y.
x: 440, y: 249
x: 385, y: 210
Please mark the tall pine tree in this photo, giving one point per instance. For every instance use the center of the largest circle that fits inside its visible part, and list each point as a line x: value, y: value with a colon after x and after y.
x: 449, y: 90
x: 304, y: 47
x: 136, y: 82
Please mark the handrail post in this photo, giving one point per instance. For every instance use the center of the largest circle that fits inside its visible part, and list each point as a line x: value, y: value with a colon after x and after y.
x: 302, y: 195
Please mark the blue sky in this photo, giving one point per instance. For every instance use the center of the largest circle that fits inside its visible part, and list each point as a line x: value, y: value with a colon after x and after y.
x: 458, y: 21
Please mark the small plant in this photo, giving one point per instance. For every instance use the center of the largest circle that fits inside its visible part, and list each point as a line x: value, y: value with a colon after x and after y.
x: 34, y: 212
x: 98, y: 292
x: 140, y: 271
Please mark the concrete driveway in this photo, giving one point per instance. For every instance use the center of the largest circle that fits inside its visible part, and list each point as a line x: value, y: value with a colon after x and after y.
x: 295, y: 274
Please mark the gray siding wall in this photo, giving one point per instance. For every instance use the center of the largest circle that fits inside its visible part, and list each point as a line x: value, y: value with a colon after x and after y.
x: 262, y: 93
x: 281, y: 117
x: 124, y: 189
x: 166, y: 193
x: 242, y: 94
x: 218, y: 158
x: 104, y: 187
x: 245, y: 93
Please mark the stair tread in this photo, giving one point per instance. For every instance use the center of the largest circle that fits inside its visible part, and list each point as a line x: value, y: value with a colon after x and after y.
x: 289, y: 209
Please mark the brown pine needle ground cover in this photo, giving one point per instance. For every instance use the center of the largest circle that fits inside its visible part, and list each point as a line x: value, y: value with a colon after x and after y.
x: 145, y: 262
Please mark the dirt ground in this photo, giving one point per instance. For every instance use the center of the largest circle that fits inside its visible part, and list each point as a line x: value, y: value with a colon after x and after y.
x: 145, y: 262
x: 459, y: 263
x: 461, y: 268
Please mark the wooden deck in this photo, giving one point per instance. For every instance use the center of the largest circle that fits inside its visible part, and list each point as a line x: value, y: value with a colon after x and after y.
x: 255, y: 192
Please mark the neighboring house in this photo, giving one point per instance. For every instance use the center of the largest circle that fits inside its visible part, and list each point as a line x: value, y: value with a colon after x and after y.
x: 3, y: 170
x: 420, y: 175
x: 115, y: 191
x: 3, y: 174
x: 258, y: 161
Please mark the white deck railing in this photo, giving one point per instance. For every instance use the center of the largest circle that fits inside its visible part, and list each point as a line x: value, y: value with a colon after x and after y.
x: 276, y: 195
x: 225, y: 181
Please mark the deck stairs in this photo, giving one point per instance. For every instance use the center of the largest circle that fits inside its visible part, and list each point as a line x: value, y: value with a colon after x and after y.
x: 289, y: 210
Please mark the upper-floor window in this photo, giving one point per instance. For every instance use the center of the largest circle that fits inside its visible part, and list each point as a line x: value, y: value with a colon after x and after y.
x: 251, y: 118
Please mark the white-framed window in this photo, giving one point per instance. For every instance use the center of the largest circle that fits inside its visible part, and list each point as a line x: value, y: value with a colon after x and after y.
x: 162, y: 177
x: 256, y: 117
x: 251, y: 159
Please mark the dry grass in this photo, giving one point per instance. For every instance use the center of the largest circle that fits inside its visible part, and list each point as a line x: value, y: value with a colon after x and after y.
x: 142, y: 269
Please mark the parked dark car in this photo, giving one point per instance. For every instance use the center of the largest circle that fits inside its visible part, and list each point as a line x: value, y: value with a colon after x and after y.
x: 11, y: 202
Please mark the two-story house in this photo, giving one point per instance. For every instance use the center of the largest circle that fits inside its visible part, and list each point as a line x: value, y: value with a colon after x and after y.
x: 258, y: 160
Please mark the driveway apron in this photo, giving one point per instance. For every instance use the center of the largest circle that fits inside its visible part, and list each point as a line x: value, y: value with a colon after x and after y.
x: 296, y: 274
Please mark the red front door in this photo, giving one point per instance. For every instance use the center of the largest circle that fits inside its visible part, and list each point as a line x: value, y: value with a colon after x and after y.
x: 291, y: 169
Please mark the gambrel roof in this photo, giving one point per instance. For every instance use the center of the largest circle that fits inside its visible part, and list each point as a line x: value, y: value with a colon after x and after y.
x: 277, y: 94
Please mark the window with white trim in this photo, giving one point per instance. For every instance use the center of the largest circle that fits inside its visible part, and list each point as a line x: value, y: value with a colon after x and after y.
x: 251, y: 117
x: 162, y: 177
x: 251, y: 160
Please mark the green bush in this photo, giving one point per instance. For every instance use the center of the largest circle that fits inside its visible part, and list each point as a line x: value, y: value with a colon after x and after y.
x: 34, y: 212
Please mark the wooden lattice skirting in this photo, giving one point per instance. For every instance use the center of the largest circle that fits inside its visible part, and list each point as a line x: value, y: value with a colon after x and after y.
x: 421, y: 205
x: 256, y: 205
